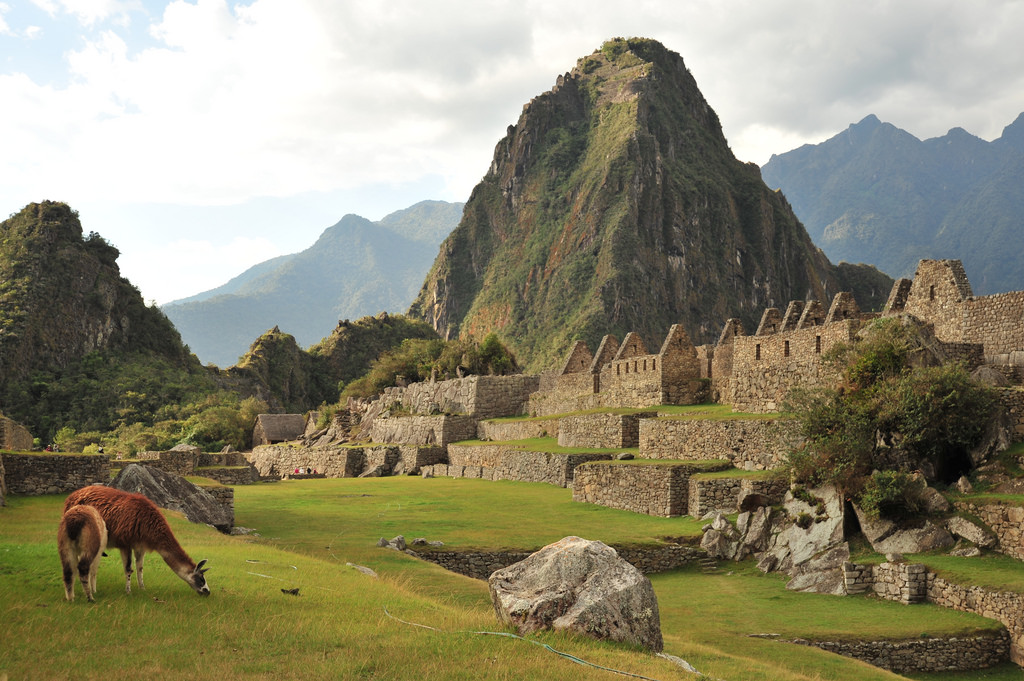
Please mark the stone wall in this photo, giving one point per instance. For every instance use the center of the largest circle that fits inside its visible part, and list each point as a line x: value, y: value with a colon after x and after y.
x: 602, y: 430
x: 484, y: 397
x: 505, y: 431
x: 766, y: 368
x: 229, y: 475
x: 222, y: 459
x: 3, y: 483
x: 423, y: 430
x: 1012, y: 400
x: 902, y: 582
x: 653, y: 489
x: 225, y: 496
x: 480, y: 564
x: 1006, y: 522
x: 14, y: 436
x: 753, y: 444
x: 551, y: 403
x: 276, y: 461
x: 707, y: 494
x: 414, y: 457
x: 179, y: 463
x: 506, y: 463
x: 35, y: 474
x: 941, y: 295
x: 1003, y: 606
x: 912, y: 583
x: 932, y: 654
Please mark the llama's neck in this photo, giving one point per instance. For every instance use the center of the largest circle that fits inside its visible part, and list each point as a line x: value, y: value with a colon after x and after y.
x: 176, y: 558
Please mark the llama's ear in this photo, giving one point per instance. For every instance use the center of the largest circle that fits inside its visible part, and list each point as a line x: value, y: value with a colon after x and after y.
x: 199, y: 566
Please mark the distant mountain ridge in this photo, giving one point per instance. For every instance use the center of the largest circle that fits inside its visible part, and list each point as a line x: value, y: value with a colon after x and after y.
x: 614, y: 204
x: 875, y: 193
x: 356, y: 268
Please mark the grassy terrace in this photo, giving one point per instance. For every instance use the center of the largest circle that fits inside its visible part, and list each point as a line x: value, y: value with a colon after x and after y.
x: 337, y: 627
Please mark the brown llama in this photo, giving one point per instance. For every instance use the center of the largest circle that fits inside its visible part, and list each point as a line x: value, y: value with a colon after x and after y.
x: 81, y: 540
x: 136, y: 525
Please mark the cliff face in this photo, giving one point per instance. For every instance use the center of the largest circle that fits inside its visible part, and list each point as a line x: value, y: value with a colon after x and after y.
x: 62, y: 296
x: 615, y: 204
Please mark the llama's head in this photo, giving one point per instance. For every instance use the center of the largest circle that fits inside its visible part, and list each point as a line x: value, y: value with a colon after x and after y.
x: 197, y: 580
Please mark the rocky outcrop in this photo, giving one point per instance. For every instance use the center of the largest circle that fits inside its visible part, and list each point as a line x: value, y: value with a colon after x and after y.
x: 887, y: 536
x: 580, y: 586
x: 174, y: 493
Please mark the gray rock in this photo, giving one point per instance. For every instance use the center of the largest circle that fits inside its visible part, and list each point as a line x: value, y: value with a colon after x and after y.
x: 972, y: 532
x: 362, y: 568
x: 931, y: 537
x: 822, y: 574
x: 894, y: 557
x: 375, y: 472
x: 624, y: 456
x: 580, y: 586
x: 964, y: 486
x: 966, y: 552
x: 932, y: 501
x: 720, y: 543
x: 175, y: 493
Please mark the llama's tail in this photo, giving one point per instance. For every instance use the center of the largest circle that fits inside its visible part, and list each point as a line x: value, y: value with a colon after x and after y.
x: 74, y: 525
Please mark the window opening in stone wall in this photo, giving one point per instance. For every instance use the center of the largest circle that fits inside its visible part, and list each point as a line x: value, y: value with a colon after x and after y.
x: 618, y: 368
x: 785, y: 349
x: 627, y: 367
x: 636, y: 364
x: 654, y: 365
x: 757, y: 351
x: 645, y: 365
x: 817, y: 345
x: 931, y: 292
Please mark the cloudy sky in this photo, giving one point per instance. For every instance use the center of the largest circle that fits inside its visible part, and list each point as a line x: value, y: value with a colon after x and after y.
x: 204, y: 136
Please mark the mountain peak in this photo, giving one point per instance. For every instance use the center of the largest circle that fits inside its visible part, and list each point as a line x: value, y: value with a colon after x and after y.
x: 615, y: 205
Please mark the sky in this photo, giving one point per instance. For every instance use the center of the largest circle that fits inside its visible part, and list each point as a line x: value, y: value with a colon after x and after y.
x: 202, y: 137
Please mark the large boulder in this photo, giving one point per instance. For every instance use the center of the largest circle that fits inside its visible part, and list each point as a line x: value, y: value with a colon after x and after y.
x: 972, y: 532
x: 822, y: 574
x: 817, y: 525
x: 174, y: 493
x: 886, y: 536
x: 581, y: 586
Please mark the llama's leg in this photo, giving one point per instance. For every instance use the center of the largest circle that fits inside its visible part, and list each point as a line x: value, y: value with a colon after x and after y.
x: 85, y: 579
x: 139, y: 555
x: 69, y: 579
x: 126, y: 560
x: 93, y: 569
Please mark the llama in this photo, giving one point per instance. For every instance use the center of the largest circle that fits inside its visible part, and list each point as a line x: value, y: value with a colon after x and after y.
x: 136, y: 525
x: 81, y: 540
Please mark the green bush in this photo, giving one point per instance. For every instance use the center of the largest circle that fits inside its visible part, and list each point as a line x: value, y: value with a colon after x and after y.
x: 890, y: 494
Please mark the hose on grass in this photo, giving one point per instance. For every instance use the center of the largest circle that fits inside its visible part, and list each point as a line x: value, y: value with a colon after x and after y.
x: 547, y: 647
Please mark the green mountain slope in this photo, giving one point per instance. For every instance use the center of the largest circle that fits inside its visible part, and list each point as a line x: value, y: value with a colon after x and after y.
x: 355, y: 268
x: 615, y: 204
x: 78, y: 346
x: 877, y: 194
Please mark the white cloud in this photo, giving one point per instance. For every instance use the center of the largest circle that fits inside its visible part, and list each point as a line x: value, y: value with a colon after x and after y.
x: 183, y: 267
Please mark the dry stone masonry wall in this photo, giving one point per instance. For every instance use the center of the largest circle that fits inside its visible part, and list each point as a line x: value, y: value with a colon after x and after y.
x: 35, y: 474
x: 424, y: 430
x: 480, y: 564
x: 482, y: 396
x: 505, y: 431
x: 602, y: 430
x: 932, y: 654
x: 753, y: 444
x: 507, y: 463
x: 1006, y: 522
x: 652, y: 489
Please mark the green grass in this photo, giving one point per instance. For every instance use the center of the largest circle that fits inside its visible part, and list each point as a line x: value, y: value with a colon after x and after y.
x: 993, y: 570
x: 337, y: 629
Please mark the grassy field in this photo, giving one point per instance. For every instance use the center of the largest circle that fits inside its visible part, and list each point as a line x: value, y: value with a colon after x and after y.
x: 346, y: 625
